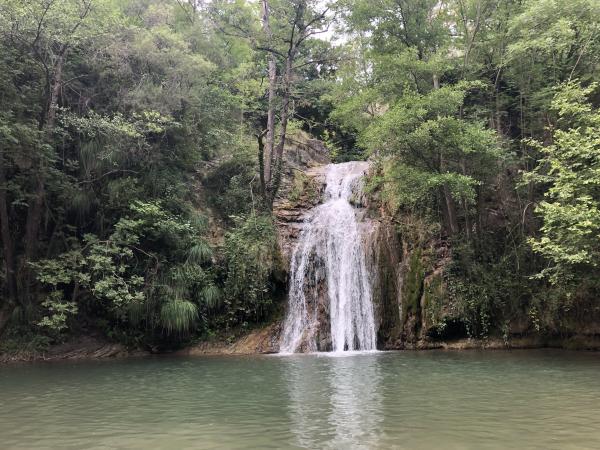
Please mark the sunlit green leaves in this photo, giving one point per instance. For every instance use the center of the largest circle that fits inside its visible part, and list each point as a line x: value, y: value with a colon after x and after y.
x: 58, y: 311
x: 570, y: 166
x: 427, y: 146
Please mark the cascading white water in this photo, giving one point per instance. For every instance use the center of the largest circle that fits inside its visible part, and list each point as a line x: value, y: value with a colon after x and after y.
x: 330, y: 252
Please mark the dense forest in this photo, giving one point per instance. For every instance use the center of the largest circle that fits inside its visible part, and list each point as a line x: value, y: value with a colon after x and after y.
x: 142, y: 148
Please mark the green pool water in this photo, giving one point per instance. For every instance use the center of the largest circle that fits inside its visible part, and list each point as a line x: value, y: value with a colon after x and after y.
x: 403, y: 400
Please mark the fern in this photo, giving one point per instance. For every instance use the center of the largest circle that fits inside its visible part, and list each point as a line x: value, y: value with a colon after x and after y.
x: 199, y: 253
x: 81, y: 202
x: 212, y: 296
x: 198, y: 221
x: 178, y: 316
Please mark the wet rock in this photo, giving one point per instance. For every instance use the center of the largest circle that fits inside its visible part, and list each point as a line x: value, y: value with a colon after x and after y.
x: 301, y: 188
x: 261, y: 340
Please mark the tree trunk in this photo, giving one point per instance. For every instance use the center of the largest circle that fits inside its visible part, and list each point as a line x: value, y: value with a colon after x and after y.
x: 450, y: 211
x: 479, y: 222
x: 55, y: 92
x: 450, y: 208
x: 272, y: 72
x: 436, y: 81
x: 498, y: 112
x: 7, y: 242
x: 285, y: 108
x: 6, y: 311
x: 9, y: 302
x: 34, y: 215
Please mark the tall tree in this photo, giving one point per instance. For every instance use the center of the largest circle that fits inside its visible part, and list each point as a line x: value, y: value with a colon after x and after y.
x: 286, y: 28
x: 41, y: 33
x: 570, y: 166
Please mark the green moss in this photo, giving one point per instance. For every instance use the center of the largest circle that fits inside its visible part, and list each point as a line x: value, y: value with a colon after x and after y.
x: 303, y: 187
x: 412, y: 287
x: 385, y: 297
x: 433, y: 299
x: 299, y: 185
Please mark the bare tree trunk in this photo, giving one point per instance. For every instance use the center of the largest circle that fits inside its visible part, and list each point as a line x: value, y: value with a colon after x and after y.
x: 7, y: 242
x: 479, y: 222
x: 498, y: 112
x: 34, y: 216
x: 272, y: 71
x: 465, y: 205
x: 55, y: 92
x: 273, y: 154
x: 261, y: 163
x: 450, y: 210
x: 285, y: 109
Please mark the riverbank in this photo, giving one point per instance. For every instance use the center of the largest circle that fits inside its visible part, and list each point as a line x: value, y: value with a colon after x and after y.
x: 265, y: 341
x: 82, y: 347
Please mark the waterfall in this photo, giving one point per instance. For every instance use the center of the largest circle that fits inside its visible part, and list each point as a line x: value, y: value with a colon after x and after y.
x: 329, y: 279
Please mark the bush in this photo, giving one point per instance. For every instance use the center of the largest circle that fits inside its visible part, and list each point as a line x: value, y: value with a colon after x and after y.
x: 252, y: 256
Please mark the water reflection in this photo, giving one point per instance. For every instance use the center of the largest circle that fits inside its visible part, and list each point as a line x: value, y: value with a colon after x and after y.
x: 419, y: 401
x: 306, y: 380
x: 335, y: 401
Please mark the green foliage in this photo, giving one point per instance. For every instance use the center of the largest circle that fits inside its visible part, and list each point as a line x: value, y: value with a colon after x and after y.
x: 252, y: 257
x: 452, y: 100
x: 234, y: 183
x: 146, y: 97
x: 427, y: 147
x: 486, y: 292
x: 570, y: 166
x: 129, y: 280
x: 412, y: 286
x: 23, y: 345
x: 434, y: 297
x: 129, y: 184
x: 561, y: 35
x: 178, y: 316
x: 302, y: 186
x: 58, y: 312
x: 199, y: 253
x: 212, y: 296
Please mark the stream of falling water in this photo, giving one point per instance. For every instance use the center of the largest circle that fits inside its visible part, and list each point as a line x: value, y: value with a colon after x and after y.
x: 330, y: 255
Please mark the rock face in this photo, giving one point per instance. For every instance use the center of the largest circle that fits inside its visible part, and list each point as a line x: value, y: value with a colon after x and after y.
x: 408, y: 289
x: 330, y: 295
x: 384, y: 252
x: 406, y: 286
x: 403, y: 285
x: 301, y: 189
x: 262, y: 340
x: 406, y: 279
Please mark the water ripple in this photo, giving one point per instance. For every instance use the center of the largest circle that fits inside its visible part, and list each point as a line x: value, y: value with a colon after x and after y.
x: 470, y: 400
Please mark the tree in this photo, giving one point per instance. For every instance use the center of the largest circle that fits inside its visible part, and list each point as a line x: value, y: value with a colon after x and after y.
x: 111, y: 108
x: 430, y: 154
x: 286, y: 28
x: 40, y: 33
x: 570, y: 167
x: 551, y: 42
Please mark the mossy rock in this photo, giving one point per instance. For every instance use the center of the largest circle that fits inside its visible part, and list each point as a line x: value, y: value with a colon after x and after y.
x: 412, y: 288
x: 303, y: 188
x: 433, y: 299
